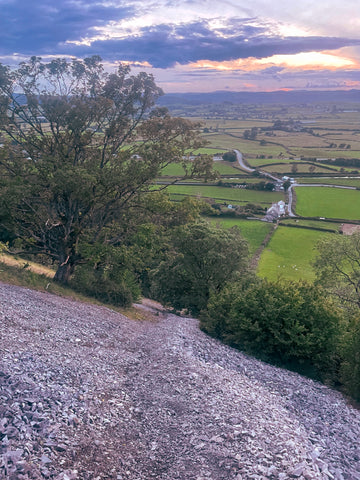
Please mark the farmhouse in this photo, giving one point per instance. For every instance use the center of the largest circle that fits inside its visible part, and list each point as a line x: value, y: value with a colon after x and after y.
x: 275, y: 211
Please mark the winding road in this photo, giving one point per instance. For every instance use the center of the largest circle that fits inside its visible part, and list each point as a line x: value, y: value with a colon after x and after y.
x: 240, y: 160
x: 245, y: 167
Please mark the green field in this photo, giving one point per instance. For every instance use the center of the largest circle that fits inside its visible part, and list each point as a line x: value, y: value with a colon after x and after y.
x: 230, y: 195
x: 320, y: 224
x: 350, y: 182
x: 209, y: 151
x: 291, y: 250
x: 224, y: 168
x: 289, y: 254
x: 300, y: 168
x: 228, y: 169
x: 253, y: 231
x: 328, y: 202
x: 264, y: 162
x: 247, y: 147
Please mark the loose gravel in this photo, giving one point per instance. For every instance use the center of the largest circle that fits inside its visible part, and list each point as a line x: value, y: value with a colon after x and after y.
x: 86, y: 393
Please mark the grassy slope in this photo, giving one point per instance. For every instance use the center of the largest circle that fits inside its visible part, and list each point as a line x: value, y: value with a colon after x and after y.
x: 253, y: 231
x: 289, y: 254
x: 16, y: 271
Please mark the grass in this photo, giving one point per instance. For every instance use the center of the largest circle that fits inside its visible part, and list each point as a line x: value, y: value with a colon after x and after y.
x: 328, y: 202
x: 247, y: 147
x: 209, y: 151
x: 253, y: 231
x: 14, y: 261
x: 301, y: 168
x: 289, y: 254
x: 16, y: 271
x: 320, y: 224
x: 350, y: 182
x: 228, y: 169
x: 224, y: 168
x: 325, y: 153
x: 230, y: 195
x: 172, y: 170
x: 263, y: 162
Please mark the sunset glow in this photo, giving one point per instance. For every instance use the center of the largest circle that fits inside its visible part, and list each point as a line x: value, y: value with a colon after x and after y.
x: 310, y: 60
x: 196, y: 45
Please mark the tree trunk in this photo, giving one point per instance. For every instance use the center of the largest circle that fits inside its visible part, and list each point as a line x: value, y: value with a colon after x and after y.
x: 64, y: 272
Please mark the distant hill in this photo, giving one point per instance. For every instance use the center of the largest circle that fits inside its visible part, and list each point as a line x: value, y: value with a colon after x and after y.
x: 277, y: 97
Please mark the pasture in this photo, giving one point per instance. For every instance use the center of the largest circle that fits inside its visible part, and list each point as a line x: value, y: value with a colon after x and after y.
x: 224, y: 168
x: 286, y: 168
x: 253, y: 231
x: 289, y: 254
x: 318, y: 224
x: 230, y: 195
x: 350, y: 182
x: 328, y: 202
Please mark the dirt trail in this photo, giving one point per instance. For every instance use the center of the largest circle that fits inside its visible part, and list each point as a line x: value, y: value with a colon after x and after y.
x: 88, y: 394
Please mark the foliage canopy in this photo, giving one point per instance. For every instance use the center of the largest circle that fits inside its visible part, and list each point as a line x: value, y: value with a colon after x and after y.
x: 289, y: 323
x: 338, y: 267
x: 80, y: 147
x: 204, y: 258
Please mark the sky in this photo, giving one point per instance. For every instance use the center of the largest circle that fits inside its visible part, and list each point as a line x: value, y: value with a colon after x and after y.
x: 196, y: 45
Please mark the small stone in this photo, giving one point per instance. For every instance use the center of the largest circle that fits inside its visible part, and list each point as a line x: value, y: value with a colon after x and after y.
x: 297, y: 472
x: 45, y: 459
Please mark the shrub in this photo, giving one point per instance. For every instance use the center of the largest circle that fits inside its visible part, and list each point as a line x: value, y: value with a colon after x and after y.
x: 291, y: 324
x: 112, y: 287
x: 230, y: 156
x: 350, y: 367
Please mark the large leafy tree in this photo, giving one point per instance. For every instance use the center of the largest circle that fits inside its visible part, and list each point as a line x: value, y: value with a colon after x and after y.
x: 338, y: 267
x: 202, y: 259
x: 79, y: 147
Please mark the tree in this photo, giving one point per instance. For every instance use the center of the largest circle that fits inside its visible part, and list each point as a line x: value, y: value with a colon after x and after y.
x: 287, y: 184
x: 253, y: 133
x: 203, y: 259
x: 294, y: 168
x: 81, y: 146
x: 350, y: 365
x: 229, y: 156
x: 312, y: 168
x: 338, y: 267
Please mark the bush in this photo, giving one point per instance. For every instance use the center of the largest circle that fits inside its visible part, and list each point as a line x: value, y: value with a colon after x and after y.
x: 290, y: 324
x: 115, y: 288
x: 230, y: 157
x: 350, y: 367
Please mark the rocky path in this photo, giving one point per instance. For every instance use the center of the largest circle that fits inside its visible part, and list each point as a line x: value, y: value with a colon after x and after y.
x: 86, y: 393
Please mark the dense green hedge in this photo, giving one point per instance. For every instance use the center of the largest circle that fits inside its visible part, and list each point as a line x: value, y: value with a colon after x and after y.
x: 291, y: 324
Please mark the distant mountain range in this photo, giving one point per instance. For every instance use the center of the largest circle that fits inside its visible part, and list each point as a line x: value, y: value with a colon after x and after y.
x: 277, y: 97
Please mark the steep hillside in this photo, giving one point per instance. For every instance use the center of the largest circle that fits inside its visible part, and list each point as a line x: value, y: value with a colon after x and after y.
x: 86, y: 393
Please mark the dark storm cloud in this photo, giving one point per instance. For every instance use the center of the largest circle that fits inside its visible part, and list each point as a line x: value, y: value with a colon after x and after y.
x: 165, y: 45
x: 39, y: 27
x: 43, y: 27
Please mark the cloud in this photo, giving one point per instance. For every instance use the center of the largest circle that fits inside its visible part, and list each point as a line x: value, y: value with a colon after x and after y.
x: 60, y: 28
x: 163, y: 46
x: 40, y: 27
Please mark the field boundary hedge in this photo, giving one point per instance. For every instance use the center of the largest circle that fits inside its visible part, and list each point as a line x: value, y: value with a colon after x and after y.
x: 307, y: 227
